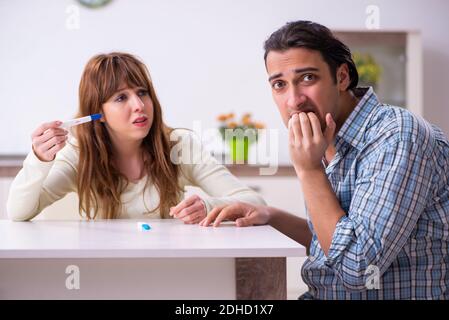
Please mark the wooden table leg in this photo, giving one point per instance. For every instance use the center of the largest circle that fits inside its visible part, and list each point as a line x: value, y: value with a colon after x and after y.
x: 261, y: 278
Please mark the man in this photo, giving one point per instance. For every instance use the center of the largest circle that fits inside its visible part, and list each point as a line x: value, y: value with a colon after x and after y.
x: 375, y: 178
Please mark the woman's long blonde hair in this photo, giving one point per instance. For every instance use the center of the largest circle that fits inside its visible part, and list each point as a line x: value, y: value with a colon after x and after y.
x: 99, y: 182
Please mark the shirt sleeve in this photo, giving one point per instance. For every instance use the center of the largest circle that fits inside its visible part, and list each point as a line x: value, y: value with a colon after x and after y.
x: 203, y: 170
x: 38, y: 184
x: 389, y: 197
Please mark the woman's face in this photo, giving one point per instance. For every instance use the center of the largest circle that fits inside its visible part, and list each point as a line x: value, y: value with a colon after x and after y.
x: 128, y: 114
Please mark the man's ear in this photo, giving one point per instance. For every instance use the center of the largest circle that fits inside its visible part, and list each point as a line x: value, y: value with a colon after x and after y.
x: 343, y: 79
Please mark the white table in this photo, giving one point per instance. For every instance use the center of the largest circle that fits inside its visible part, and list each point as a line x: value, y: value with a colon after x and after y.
x: 117, y: 261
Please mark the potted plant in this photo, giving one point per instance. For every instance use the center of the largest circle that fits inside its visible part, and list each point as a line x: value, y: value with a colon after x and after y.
x: 239, y: 134
x: 369, y: 70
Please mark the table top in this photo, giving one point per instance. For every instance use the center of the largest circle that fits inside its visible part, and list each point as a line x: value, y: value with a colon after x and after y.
x: 121, y: 238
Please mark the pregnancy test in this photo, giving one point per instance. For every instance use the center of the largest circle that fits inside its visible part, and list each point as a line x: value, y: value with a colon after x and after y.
x: 77, y: 121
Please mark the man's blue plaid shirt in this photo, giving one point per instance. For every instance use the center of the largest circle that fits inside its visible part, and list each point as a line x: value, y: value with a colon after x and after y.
x: 391, y: 176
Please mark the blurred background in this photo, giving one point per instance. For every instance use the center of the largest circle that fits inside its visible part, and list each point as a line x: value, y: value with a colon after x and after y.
x: 206, y: 59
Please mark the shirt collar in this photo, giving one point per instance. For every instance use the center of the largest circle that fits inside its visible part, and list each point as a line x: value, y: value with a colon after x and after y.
x: 353, y: 129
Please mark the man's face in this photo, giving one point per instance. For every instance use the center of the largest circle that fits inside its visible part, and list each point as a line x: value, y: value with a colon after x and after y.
x: 301, y: 82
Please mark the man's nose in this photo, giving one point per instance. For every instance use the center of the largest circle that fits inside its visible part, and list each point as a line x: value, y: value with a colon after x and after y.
x: 295, y: 99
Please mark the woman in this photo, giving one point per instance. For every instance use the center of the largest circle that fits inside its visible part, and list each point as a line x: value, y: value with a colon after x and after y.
x: 121, y: 165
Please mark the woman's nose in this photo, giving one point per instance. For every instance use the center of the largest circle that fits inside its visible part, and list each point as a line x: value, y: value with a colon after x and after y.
x: 137, y: 103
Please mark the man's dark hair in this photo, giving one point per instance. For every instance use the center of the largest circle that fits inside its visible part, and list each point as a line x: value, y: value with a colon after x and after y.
x: 314, y: 36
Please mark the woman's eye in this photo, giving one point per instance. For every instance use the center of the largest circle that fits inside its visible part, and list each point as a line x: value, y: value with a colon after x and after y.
x: 142, y: 93
x: 120, y: 98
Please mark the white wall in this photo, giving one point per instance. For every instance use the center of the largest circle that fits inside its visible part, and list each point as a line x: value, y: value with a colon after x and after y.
x: 205, y: 56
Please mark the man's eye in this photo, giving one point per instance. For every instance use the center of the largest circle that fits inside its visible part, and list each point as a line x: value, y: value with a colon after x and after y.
x: 277, y: 85
x: 308, y: 77
x: 120, y: 98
